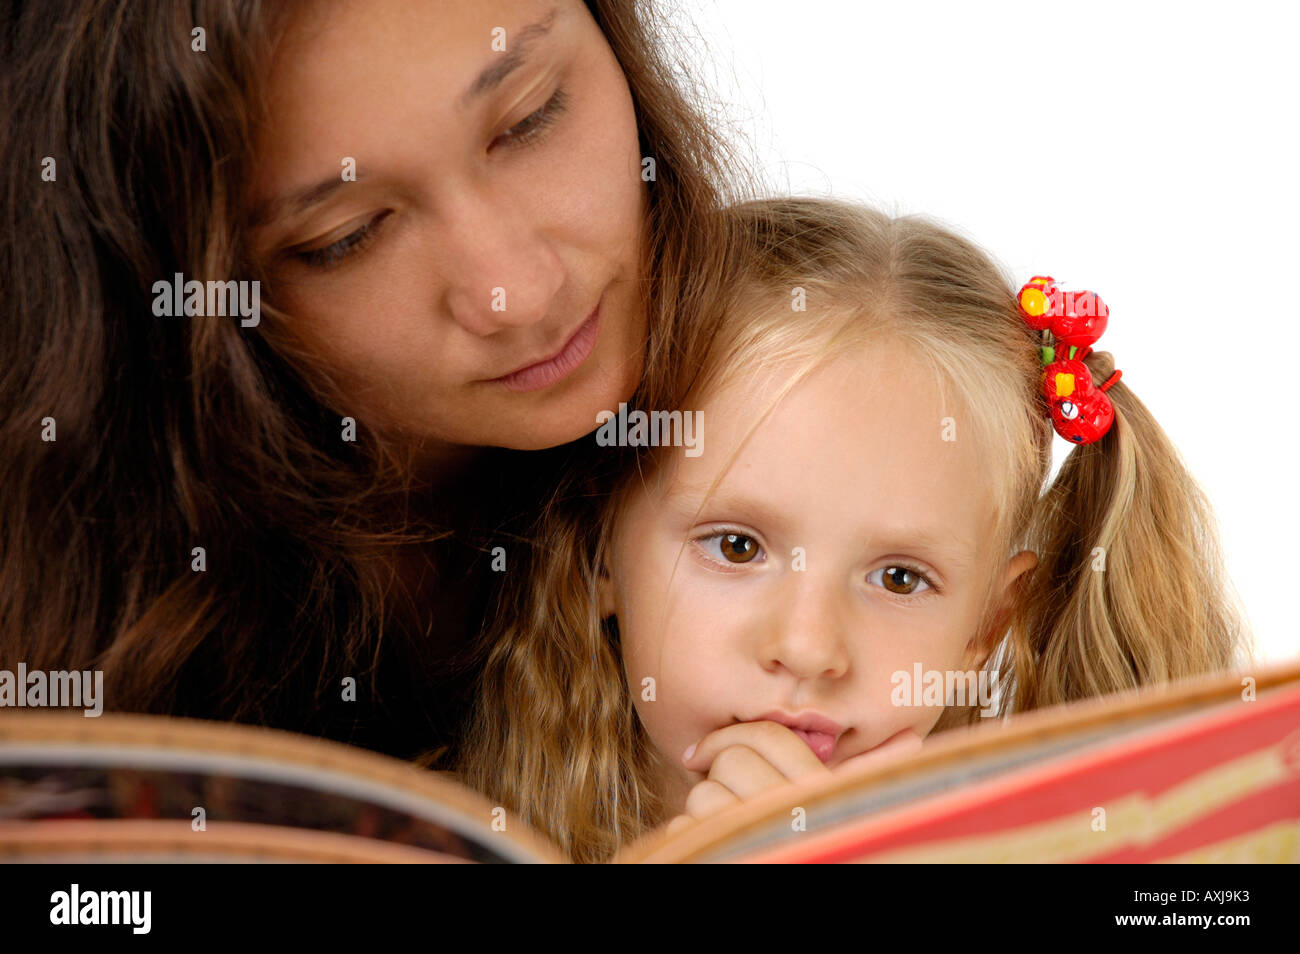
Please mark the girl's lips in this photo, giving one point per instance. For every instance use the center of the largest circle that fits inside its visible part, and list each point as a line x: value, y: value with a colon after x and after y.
x: 821, y: 743
x: 545, y: 373
x: 818, y: 731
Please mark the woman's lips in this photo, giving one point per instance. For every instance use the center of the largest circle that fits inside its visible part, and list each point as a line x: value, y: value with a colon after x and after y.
x: 543, y: 374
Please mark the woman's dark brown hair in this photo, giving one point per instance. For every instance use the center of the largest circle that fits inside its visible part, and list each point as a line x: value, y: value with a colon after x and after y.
x: 130, y: 440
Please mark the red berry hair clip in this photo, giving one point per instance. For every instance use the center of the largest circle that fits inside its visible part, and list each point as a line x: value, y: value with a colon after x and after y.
x: 1080, y: 411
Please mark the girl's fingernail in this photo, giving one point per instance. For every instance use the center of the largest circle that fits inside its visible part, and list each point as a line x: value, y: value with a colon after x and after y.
x: 686, y: 756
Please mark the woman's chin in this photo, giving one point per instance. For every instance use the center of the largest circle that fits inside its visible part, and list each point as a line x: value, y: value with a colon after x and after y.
x: 565, y: 417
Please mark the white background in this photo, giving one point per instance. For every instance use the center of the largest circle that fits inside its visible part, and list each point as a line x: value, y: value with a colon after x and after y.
x: 1146, y: 151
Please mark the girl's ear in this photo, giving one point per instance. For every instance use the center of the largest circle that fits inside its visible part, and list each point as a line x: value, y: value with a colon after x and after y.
x: 979, y: 649
x: 1019, y: 565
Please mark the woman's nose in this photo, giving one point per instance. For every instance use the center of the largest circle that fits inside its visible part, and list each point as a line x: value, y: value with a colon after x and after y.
x: 500, y: 272
x: 808, y: 635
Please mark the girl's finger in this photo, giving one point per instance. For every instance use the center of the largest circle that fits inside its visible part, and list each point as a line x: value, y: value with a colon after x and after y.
x: 896, y: 746
x: 744, y: 771
x: 708, y: 798
x: 680, y: 822
x: 784, y: 750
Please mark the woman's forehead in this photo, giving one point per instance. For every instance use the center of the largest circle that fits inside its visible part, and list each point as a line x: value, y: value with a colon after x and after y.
x: 341, y: 69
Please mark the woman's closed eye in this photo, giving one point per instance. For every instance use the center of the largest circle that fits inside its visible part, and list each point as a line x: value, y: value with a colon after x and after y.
x: 527, y: 130
x: 353, y: 243
x: 535, y: 123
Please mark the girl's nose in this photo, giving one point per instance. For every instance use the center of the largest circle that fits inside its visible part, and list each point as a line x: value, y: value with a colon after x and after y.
x: 500, y: 273
x: 809, y: 633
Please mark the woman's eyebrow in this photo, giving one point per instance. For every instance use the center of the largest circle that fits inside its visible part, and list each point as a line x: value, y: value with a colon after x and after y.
x: 297, y: 201
x: 494, y: 75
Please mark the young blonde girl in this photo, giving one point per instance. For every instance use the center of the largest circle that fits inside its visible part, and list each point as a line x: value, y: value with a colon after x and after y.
x: 601, y: 668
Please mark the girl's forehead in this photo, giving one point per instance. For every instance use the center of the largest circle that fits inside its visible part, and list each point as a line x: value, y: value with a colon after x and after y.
x: 866, y: 440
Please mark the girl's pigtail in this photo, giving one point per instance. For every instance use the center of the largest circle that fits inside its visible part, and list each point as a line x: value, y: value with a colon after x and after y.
x: 1129, y: 589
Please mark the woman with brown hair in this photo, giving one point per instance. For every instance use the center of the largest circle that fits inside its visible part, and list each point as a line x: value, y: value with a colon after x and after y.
x: 463, y: 228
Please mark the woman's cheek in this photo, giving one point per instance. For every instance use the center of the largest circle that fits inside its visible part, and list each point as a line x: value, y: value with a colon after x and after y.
x: 607, y: 173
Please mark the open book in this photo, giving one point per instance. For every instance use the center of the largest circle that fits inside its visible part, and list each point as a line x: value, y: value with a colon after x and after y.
x: 1204, y: 770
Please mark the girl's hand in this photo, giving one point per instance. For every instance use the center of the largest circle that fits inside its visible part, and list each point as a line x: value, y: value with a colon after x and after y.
x: 750, y: 757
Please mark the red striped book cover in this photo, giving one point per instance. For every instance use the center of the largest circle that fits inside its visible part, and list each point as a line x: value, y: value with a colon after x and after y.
x: 1207, y: 771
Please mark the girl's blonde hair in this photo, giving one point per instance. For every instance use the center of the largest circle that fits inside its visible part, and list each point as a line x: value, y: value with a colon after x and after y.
x: 555, y: 736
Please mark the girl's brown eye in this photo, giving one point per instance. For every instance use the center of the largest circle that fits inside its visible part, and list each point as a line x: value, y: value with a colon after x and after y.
x: 737, y: 548
x: 899, y: 579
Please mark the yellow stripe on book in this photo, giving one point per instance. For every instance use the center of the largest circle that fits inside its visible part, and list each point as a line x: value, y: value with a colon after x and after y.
x: 1275, y: 845
x: 1131, y: 821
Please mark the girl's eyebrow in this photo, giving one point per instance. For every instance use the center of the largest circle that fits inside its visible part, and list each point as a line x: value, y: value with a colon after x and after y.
x: 519, y: 47
x: 695, y: 502
x: 923, y: 540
